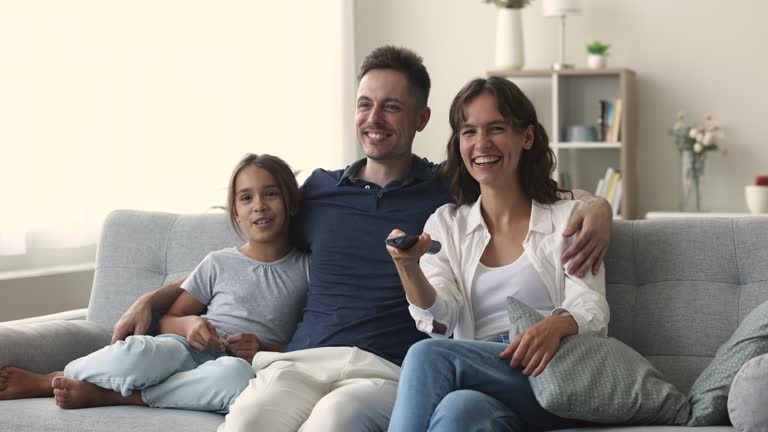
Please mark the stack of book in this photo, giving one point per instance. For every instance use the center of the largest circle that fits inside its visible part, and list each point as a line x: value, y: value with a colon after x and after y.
x: 609, y: 187
x: 609, y: 128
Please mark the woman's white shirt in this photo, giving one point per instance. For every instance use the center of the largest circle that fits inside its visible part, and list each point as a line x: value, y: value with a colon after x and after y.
x: 492, y: 285
x: 464, y: 236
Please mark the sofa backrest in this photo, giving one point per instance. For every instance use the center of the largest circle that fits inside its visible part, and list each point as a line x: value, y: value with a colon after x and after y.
x: 678, y: 288
x: 140, y: 251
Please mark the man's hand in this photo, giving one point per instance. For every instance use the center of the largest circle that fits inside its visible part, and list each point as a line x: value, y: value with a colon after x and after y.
x: 535, y: 347
x: 243, y: 345
x: 593, y: 220
x: 201, y: 335
x: 135, y: 321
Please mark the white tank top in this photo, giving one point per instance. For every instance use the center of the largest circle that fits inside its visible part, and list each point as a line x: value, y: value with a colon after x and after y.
x: 492, y: 286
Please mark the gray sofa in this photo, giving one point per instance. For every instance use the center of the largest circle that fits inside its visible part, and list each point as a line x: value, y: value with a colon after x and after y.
x: 677, y: 290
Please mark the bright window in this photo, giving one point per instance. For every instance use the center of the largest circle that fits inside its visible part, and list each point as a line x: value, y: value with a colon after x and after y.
x: 149, y: 104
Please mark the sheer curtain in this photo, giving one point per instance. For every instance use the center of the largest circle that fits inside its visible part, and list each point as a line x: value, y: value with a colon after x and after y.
x: 148, y: 105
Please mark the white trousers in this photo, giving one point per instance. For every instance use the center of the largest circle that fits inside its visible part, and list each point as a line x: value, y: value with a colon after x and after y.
x: 339, y: 389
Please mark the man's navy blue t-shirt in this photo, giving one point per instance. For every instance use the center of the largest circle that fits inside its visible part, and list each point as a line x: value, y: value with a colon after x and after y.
x: 355, y: 295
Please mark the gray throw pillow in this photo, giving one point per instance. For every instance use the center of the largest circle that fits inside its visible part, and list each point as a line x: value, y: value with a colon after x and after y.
x: 601, y: 380
x: 709, y: 393
x: 749, y: 391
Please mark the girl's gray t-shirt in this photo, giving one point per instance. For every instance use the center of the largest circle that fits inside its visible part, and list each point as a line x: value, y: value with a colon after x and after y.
x: 249, y: 296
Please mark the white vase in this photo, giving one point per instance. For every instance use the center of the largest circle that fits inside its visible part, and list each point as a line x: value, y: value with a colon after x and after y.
x: 757, y: 198
x: 509, y: 39
x: 595, y: 61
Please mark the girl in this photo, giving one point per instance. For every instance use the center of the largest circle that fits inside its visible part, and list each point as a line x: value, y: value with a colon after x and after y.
x: 501, y: 238
x: 202, y: 362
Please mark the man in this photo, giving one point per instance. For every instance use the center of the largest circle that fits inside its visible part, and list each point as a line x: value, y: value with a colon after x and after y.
x: 340, y: 370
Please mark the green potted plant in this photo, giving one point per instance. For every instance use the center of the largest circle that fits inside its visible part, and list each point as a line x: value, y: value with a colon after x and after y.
x: 597, y: 52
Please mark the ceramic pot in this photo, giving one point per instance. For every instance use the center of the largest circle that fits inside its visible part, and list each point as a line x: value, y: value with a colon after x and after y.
x: 509, y: 39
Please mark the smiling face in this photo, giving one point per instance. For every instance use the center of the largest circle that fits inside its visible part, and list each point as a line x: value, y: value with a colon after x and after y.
x: 388, y: 115
x: 490, y: 147
x: 260, y: 207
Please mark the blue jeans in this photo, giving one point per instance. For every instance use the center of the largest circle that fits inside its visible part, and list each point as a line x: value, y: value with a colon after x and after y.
x: 169, y: 373
x: 450, y: 385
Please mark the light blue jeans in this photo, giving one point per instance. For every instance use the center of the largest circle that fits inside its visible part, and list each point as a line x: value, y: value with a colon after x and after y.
x: 168, y: 372
x: 450, y: 385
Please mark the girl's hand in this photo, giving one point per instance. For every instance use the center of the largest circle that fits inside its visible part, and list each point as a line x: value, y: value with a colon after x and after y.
x: 535, y: 347
x: 412, y: 255
x: 243, y: 345
x: 202, y: 336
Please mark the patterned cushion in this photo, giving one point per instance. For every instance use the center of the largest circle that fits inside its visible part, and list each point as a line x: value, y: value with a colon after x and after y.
x: 749, y: 391
x: 601, y: 380
x: 709, y: 393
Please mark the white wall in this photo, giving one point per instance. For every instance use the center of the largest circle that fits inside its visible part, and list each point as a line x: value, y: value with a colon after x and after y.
x: 693, y: 55
x: 148, y: 105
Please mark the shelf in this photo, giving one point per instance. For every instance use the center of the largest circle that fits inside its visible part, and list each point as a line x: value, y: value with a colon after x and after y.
x: 574, y: 96
x: 679, y: 215
x: 538, y: 73
x: 586, y: 145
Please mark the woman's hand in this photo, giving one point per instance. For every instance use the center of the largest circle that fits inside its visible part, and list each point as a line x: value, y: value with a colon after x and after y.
x: 405, y: 257
x: 201, y: 334
x: 593, y: 220
x: 535, y: 347
x: 243, y: 345
x: 418, y: 290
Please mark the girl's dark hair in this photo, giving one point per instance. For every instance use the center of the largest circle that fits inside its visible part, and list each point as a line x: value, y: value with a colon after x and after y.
x: 284, y: 176
x: 536, y: 164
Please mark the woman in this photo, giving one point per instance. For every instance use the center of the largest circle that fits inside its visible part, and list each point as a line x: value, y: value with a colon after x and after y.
x: 501, y: 238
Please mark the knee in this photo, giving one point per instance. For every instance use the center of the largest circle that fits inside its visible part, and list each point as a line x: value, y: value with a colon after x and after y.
x: 225, y: 378
x: 232, y: 370
x: 126, y: 357
x: 423, y: 357
x: 455, y: 402
x: 427, y: 350
x: 471, y: 410
x: 336, y: 413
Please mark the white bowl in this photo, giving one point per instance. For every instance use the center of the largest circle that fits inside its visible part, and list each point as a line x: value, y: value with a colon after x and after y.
x: 757, y: 198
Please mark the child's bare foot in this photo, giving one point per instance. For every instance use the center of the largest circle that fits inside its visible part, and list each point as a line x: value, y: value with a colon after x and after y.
x: 74, y: 394
x: 18, y: 383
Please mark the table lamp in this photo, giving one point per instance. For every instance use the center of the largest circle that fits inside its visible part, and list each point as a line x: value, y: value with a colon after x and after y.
x: 561, y: 8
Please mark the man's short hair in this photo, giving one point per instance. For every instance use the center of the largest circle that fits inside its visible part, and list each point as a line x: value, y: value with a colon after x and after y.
x: 402, y: 60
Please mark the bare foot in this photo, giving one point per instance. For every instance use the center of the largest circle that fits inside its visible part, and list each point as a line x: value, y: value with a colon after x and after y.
x: 18, y: 383
x: 74, y: 394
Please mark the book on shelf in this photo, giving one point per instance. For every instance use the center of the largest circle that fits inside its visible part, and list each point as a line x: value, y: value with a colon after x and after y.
x: 616, y: 202
x: 609, y: 187
x: 609, y: 128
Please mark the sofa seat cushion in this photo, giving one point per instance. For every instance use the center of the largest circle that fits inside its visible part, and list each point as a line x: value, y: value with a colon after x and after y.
x: 709, y: 393
x: 42, y: 415
x: 600, y: 379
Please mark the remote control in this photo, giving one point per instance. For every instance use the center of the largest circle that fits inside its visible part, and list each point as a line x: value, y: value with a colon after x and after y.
x: 404, y: 242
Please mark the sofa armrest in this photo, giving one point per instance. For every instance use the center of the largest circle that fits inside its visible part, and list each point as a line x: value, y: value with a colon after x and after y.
x: 48, y: 346
x: 70, y: 315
